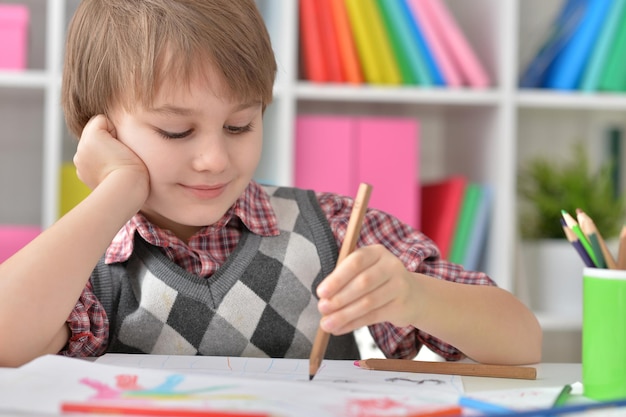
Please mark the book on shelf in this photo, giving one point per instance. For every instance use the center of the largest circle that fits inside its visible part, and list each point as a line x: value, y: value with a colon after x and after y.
x: 329, y: 41
x: 599, y: 55
x: 561, y: 31
x: 422, y: 15
x: 424, y: 49
x: 313, y: 61
x: 350, y: 65
x: 455, y: 215
x: 411, y: 64
x: 480, y: 227
x: 372, y: 41
x: 388, y: 42
x: 567, y: 70
x: 613, y: 76
x: 461, y: 52
x: 336, y: 153
x: 441, y: 202
x: 464, y: 223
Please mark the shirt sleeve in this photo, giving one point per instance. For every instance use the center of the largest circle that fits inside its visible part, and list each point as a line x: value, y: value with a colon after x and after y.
x: 418, y: 253
x: 89, y: 327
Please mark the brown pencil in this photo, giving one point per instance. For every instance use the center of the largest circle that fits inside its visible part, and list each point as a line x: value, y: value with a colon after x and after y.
x: 621, y: 256
x: 349, y: 243
x: 449, y: 368
x: 589, y: 228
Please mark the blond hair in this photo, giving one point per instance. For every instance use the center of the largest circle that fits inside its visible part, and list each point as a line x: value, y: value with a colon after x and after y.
x: 119, y: 52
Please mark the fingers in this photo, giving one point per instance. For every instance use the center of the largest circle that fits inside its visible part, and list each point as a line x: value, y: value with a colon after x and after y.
x: 371, y: 285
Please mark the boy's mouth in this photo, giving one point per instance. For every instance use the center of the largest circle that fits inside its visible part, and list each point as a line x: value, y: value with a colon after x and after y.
x: 205, y: 191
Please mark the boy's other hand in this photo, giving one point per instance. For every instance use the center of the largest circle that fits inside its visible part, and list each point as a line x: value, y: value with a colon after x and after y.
x: 99, y: 153
x: 370, y: 286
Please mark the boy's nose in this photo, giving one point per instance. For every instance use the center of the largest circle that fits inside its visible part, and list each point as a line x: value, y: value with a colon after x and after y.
x: 211, y: 155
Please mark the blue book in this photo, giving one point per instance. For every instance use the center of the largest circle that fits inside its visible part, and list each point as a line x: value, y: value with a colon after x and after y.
x: 599, y: 56
x: 561, y: 32
x: 568, y: 67
x: 422, y: 45
x: 480, y: 227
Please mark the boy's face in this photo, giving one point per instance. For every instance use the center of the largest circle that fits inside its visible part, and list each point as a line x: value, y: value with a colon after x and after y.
x: 201, y: 150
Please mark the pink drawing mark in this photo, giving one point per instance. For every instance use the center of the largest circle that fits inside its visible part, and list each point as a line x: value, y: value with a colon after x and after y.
x: 128, y: 389
x: 377, y: 407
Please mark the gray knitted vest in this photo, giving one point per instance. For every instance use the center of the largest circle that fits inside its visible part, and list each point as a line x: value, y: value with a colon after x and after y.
x: 260, y: 303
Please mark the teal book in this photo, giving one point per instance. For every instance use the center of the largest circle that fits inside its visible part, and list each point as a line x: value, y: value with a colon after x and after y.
x: 613, y: 77
x: 467, y: 217
x: 567, y: 71
x: 413, y: 68
x: 425, y: 51
x: 591, y: 76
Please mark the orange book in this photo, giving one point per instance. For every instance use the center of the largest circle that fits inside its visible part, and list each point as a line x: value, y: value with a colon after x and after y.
x: 350, y: 65
x: 330, y: 46
x: 311, y: 54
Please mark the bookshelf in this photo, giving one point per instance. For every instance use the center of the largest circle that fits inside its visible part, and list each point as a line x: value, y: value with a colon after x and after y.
x: 483, y: 134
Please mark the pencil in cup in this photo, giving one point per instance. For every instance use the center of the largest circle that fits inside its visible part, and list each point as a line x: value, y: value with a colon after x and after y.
x: 571, y: 238
x: 349, y: 243
x: 573, y: 225
x: 589, y: 228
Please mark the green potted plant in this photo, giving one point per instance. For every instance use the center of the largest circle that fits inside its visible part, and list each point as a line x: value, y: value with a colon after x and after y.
x: 546, y: 188
x: 551, y: 269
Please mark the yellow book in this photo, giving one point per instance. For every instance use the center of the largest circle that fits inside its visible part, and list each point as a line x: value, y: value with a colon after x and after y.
x: 73, y: 190
x: 373, y: 44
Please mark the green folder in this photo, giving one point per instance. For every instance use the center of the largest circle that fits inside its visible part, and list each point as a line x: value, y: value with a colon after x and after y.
x: 467, y: 216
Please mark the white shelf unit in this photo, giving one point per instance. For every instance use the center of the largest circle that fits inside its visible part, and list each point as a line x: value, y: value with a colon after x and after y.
x: 484, y: 134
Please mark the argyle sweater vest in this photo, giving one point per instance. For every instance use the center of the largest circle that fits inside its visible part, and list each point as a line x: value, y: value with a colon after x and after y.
x: 260, y: 303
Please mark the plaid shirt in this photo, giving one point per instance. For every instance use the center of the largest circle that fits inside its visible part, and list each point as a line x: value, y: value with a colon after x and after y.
x: 208, y: 249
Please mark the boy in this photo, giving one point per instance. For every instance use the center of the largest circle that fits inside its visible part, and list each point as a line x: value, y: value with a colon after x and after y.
x: 178, y: 251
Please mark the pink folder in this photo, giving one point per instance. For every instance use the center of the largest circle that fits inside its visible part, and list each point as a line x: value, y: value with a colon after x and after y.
x: 336, y: 153
x: 325, y: 159
x: 13, y: 238
x: 388, y: 160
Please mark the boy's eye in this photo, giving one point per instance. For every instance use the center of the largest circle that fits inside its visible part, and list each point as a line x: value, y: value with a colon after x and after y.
x: 175, y: 135
x: 236, y: 130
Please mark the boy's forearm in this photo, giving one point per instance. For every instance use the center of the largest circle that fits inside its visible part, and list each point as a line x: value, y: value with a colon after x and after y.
x: 488, y: 324
x: 40, y: 284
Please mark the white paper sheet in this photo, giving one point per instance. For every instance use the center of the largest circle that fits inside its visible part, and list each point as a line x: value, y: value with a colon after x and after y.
x: 276, y: 386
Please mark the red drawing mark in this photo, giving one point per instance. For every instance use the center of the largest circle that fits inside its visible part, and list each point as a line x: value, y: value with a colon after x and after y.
x: 387, y: 407
x: 127, y: 382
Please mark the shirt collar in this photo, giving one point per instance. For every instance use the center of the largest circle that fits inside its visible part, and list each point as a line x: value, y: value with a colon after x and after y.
x: 253, y: 208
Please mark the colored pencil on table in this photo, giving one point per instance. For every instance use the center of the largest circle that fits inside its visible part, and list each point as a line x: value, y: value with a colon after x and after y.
x: 449, y: 368
x: 575, y: 227
x: 571, y: 237
x: 564, y: 394
x: 349, y: 243
x: 589, y: 228
x: 566, y: 409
